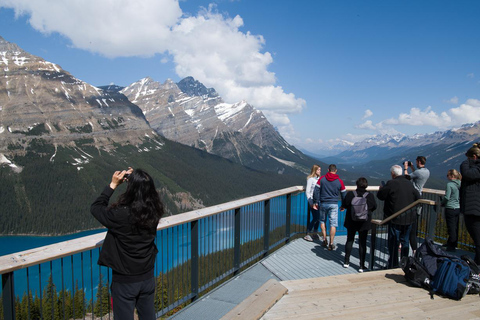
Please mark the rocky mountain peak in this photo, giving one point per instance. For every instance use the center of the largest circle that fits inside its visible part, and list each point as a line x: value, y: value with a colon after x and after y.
x: 40, y: 100
x: 192, y: 87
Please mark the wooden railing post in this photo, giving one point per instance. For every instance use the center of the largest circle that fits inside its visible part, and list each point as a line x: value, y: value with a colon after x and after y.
x: 8, y: 296
x: 236, y: 245
x: 195, y: 266
x: 288, y: 217
x: 266, y: 227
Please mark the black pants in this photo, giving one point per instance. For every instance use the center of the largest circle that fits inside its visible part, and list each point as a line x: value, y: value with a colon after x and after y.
x: 473, y: 227
x: 128, y: 296
x: 362, y: 245
x: 452, y: 219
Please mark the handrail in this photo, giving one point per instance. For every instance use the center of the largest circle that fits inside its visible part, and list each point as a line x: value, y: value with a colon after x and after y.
x: 27, y: 258
x: 396, y: 214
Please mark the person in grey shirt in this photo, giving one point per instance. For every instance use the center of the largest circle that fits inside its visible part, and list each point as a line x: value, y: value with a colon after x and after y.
x: 418, y: 177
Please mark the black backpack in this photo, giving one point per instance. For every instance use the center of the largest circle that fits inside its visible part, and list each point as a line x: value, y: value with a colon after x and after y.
x: 474, y: 278
x: 415, y: 272
x: 359, y: 207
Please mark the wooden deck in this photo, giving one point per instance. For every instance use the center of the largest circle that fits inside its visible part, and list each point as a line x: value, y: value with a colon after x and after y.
x: 371, y: 295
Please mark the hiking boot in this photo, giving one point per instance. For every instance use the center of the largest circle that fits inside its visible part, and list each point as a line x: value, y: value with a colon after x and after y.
x: 308, y: 238
x: 331, y: 247
x: 325, y: 243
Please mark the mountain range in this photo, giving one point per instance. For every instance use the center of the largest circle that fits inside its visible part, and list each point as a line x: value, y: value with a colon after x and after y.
x: 444, y: 150
x: 61, y: 139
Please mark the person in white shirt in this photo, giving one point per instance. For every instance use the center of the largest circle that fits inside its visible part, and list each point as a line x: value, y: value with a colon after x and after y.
x: 313, y: 217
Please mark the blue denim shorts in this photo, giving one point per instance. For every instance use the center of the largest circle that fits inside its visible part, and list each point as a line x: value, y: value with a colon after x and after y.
x: 329, y: 210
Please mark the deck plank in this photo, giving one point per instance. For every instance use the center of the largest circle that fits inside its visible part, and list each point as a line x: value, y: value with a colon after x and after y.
x: 379, y: 294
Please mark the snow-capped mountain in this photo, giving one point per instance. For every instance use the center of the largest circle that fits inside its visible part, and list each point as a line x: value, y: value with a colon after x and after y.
x: 38, y: 99
x: 190, y: 113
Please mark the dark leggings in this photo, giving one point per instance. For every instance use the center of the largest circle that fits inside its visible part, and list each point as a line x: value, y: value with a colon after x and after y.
x: 362, y: 247
x: 452, y: 218
x: 473, y: 227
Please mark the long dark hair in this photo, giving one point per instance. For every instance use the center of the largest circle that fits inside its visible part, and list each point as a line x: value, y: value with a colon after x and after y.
x: 142, y: 198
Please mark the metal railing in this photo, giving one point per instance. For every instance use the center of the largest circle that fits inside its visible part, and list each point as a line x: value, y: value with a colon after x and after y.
x: 197, y: 251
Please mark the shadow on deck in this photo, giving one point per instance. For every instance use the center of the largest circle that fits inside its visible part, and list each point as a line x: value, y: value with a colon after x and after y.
x: 319, y: 287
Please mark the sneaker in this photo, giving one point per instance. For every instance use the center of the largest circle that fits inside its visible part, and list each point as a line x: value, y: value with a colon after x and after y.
x: 346, y: 265
x: 360, y: 270
x: 308, y: 238
x: 325, y: 243
x: 331, y: 247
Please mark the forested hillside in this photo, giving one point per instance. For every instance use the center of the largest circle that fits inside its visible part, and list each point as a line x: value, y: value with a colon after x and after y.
x: 52, y: 194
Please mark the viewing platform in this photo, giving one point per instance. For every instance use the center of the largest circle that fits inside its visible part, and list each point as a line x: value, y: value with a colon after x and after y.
x: 303, y: 280
x: 211, y: 262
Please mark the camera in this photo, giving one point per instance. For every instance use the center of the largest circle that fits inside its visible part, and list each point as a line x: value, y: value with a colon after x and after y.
x: 409, y: 163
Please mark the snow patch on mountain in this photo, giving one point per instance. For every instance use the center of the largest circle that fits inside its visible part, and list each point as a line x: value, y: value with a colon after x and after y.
x: 226, y: 111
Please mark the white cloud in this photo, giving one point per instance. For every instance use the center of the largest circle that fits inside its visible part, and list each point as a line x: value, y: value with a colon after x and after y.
x: 471, y: 75
x: 453, y: 100
x: 209, y: 46
x: 368, y: 113
x: 366, y: 125
x: 468, y: 112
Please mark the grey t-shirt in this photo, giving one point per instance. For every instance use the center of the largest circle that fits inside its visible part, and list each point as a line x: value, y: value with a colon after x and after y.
x: 419, y: 177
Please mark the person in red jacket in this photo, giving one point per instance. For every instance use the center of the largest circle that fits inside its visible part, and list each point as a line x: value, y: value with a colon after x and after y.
x: 328, y: 191
x: 129, y: 248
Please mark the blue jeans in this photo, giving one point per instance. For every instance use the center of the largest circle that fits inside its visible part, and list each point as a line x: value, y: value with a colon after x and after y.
x: 315, y: 220
x: 329, y: 210
x: 397, y: 234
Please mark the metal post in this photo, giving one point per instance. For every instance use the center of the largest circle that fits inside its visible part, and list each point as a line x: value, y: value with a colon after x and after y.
x: 8, y: 296
x: 194, y: 253
x: 373, y: 239
x: 288, y: 217
x: 236, y: 245
x: 266, y: 228
x: 432, y: 219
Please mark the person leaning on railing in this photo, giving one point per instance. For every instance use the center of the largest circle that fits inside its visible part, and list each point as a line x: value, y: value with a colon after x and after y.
x: 470, y: 195
x: 129, y: 247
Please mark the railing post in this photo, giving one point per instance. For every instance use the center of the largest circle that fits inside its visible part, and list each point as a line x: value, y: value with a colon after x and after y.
x: 194, y: 253
x: 266, y: 227
x: 432, y: 219
x: 8, y: 296
x: 373, y: 240
x: 236, y: 245
x: 288, y: 217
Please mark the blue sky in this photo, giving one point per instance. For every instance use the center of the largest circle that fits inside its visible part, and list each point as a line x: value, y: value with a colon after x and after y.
x: 321, y: 71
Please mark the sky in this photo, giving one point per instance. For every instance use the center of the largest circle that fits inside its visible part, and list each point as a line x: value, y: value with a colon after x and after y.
x: 321, y: 71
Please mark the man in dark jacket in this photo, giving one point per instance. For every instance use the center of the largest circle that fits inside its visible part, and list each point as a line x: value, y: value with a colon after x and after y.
x: 397, y: 194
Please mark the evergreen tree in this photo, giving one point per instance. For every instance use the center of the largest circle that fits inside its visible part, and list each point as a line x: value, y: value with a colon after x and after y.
x: 78, y: 302
x: 49, y: 299
x: 102, y: 304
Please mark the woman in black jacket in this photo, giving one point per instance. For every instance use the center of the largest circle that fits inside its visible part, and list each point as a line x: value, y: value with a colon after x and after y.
x: 470, y: 195
x: 361, y: 227
x: 129, y: 247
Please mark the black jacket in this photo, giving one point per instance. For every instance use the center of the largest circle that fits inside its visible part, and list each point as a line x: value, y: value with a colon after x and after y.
x: 470, y: 187
x: 397, y: 194
x: 129, y: 252
x: 347, y: 202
